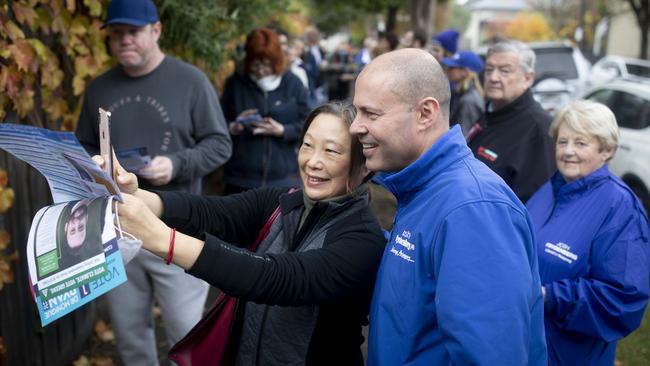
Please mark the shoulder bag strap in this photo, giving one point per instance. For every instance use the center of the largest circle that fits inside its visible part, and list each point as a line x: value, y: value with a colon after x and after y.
x: 267, y: 226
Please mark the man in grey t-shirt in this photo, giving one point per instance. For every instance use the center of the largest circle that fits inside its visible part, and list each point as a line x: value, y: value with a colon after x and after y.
x: 171, y: 108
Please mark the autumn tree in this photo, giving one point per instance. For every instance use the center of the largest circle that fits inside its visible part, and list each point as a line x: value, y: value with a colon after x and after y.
x: 529, y: 27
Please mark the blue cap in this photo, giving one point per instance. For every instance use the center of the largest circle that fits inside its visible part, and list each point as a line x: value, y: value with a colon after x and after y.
x: 448, y: 39
x: 466, y: 59
x: 137, y: 13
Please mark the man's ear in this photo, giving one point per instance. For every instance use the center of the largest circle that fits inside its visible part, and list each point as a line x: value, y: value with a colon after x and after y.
x: 157, y: 29
x: 428, y: 110
x: 529, y: 77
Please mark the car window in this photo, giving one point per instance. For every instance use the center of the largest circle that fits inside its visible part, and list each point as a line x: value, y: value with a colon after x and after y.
x: 638, y: 70
x: 602, y: 96
x: 556, y: 62
x: 630, y: 110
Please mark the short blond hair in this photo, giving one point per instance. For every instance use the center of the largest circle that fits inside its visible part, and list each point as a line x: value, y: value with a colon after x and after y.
x: 591, y: 119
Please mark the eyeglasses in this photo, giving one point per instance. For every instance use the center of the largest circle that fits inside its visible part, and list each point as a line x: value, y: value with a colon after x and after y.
x: 260, y: 65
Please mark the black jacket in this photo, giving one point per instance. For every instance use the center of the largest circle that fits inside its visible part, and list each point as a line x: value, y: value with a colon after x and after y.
x: 259, y: 161
x: 307, y: 290
x: 516, y: 145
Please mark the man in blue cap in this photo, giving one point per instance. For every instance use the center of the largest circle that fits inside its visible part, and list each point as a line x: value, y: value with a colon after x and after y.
x: 463, y: 71
x: 170, y: 108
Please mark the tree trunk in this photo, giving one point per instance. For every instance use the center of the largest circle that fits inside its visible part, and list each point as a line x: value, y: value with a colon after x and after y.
x: 641, y: 10
x: 441, y: 20
x: 422, y: 15
x: 391, y: 21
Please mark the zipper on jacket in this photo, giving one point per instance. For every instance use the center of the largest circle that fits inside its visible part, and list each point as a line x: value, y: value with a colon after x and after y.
x: 266, y: 143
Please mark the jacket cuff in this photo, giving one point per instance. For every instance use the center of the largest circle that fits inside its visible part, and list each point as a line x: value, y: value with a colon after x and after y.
x: 176, y: 163
x: 175, y: 205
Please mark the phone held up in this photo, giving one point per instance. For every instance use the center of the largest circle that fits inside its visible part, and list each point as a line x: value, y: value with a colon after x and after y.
x: 105, y: 146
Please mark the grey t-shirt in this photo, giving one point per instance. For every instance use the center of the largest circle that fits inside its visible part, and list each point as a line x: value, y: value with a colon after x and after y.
x: 173, y: 111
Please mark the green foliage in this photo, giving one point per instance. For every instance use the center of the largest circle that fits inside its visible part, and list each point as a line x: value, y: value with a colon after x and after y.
x: 205, y: 31
x: 331, y: 15
x: 458, y: 16
x: 634, y: 350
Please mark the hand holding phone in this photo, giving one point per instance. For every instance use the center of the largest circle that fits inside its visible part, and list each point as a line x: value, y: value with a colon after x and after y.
x: 250, y: 120
x: 105, y: 146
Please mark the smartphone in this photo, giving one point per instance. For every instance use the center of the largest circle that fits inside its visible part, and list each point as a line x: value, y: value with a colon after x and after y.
x: 105, y: 146
x: 246, y: 121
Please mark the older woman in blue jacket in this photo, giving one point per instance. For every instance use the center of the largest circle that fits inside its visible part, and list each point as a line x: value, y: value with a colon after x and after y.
x: 592, y: 242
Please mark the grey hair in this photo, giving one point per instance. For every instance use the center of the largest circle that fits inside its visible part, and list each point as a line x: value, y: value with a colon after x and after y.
x: 591, y: 119
x: 525, y: 54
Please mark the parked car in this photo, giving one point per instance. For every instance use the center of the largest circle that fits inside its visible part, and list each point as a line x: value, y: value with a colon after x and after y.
x: 613, y: 67
x: 630, y: 102
x: 561, y: 74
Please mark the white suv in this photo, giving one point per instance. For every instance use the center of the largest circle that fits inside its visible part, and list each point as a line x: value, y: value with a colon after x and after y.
x: 561, y: 74
x: 630, y: 102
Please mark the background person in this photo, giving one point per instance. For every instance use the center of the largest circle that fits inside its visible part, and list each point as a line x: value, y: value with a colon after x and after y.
x: 171, y: 108
x: 264, y: 151
x: 512, y: 137
x: 463, y: 70
x: 592, y: 242
x: 444, y: 44
x: 308, y: 286
x: 458, y: 282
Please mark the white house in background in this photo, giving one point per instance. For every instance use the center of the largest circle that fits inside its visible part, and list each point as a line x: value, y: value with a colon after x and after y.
x: 619, y: 33
x: 489, y: 18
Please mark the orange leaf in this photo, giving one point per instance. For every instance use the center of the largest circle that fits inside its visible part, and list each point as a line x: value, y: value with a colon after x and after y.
x: 13, y: 31
x: 7, y: 196
x: 51, y: 77
x: 6, y: 274
x: 10, y: 79
x: 24, y: 56
x: 3, y: 105
x: 3, y: 178
x: 24, y: 14
x: 5, y: 239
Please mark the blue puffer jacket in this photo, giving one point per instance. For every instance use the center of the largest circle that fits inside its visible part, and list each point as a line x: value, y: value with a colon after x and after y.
x: 259, y: 161
x: 458, y: 281
x: 592, y: 243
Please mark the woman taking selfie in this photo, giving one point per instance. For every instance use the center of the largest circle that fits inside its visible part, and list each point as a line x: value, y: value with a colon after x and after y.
x: 592, y: 242
x: 308, y: 286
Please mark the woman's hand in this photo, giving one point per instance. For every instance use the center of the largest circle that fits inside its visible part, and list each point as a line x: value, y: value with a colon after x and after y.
x: 237, y: 128
x: 127, y: 182
x: 269, y: 127
x: 137, y: 219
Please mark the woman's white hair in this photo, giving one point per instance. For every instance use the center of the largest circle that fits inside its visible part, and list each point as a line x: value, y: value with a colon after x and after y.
x: 591, y: 119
